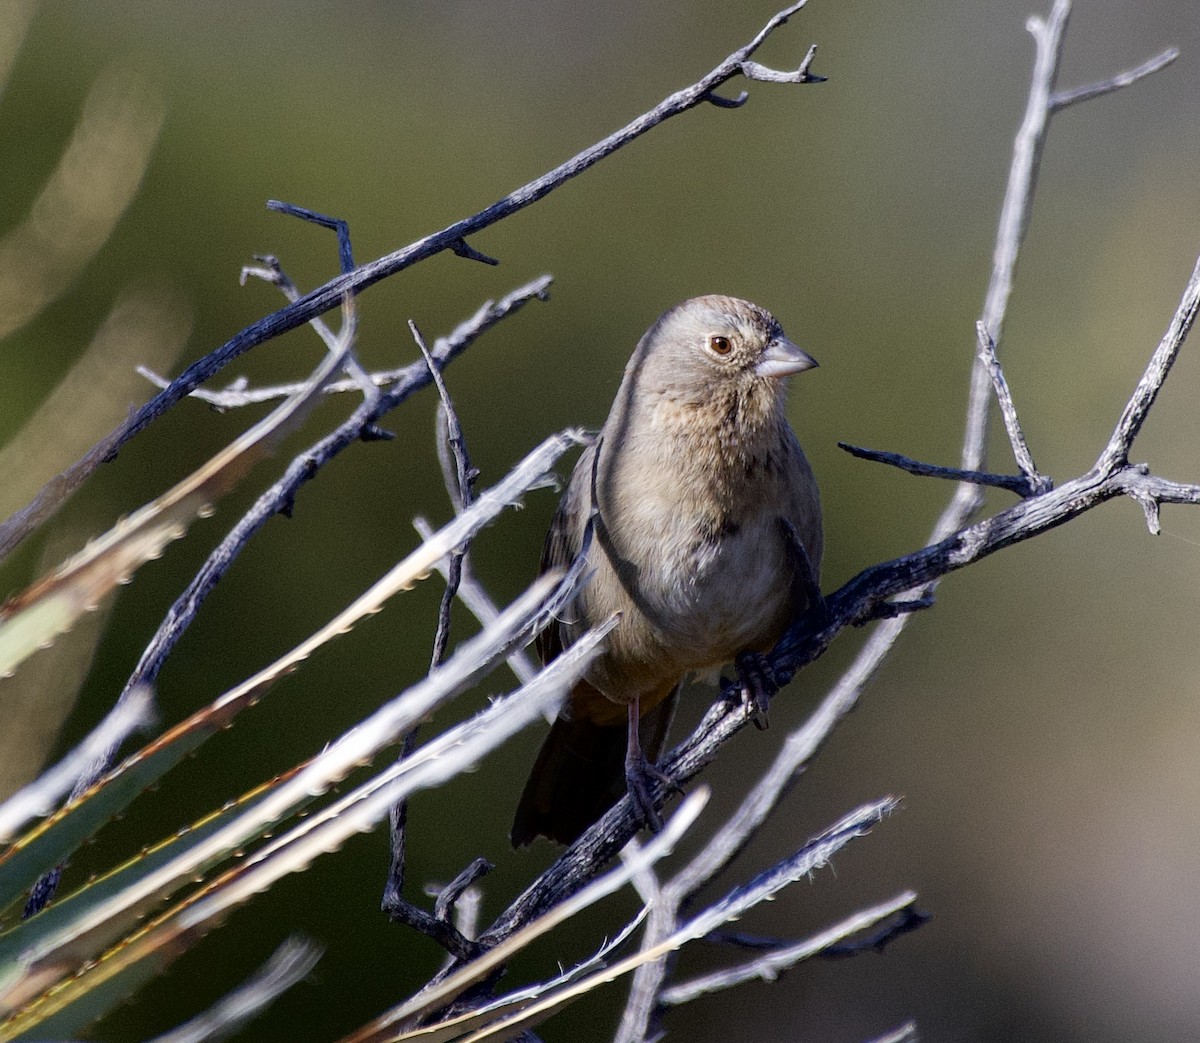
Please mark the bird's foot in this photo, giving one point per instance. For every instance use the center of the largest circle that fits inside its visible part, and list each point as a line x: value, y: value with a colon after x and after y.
x: 758, y: 685
x: 640, y: 777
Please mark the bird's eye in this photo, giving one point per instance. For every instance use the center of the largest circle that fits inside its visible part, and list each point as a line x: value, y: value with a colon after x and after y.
x: 720, y: 345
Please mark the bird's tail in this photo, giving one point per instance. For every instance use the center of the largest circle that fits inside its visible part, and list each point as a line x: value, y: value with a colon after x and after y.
x: 580, y: 773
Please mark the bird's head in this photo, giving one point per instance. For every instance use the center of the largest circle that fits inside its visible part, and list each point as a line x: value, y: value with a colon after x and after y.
x: 714, y: 344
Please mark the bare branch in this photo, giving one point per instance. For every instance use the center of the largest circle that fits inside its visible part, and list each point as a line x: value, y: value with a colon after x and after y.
x: 755, y: 71
x: 459, y: 476
x: 778, y: 959
x: 1061, y: 99
x: 459, y: 481
x: 238, y: 394
x: 336, y: 224
x: 1014, y: 220
x: 1013, y: 483
x: 476, y: 598
x: 1136, y: 410
x: 1016, y: 437
x: 274, y: 273
x: 449, y: 895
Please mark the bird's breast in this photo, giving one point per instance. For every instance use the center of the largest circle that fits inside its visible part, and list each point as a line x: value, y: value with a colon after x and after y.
x: 723, y: 587
x: 707, y: 580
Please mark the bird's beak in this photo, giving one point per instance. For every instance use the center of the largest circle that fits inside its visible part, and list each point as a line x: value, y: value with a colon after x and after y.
x: 782, y: 358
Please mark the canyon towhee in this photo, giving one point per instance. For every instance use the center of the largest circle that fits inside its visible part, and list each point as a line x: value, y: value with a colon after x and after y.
x: 707, y: 539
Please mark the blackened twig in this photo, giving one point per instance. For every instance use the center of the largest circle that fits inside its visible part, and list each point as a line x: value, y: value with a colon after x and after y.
x: 449, y: 895
x: 336, y: 224
x: 275, y: 274
x: 1013, y: 483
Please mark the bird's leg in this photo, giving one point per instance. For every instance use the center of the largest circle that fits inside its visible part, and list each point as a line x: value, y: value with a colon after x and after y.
x: 640, y: 774
x: 758, y: 685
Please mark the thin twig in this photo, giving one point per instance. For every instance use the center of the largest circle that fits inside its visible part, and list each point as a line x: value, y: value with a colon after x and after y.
x: 472, y: 594
x: 353, y: 367
x: 1138, y: 407
x: 448, y: 896
x: 1061, y: 99
x: 239, y: 394
x: 778, y: 959
x: 459, y: 479
x: 1013, y: 483
x: 1037, y: 482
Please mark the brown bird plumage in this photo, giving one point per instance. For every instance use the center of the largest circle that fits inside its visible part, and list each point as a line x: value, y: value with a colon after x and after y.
x: 697, y: 471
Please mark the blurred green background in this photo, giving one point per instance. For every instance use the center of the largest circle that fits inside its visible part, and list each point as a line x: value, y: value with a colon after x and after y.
x: 1041, y: 723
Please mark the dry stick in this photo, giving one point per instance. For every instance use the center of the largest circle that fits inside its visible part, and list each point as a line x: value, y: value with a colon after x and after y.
x: 353, y: 367
x: 459, y: 477
x: 1038, y: 483
x: 239, y: 394
x: 1018, y: 484
x: 862, y: 598
x: 453, y: 238
x: 837, y: 940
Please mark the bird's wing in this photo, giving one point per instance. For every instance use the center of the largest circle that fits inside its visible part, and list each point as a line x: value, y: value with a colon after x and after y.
x: 562, y: 541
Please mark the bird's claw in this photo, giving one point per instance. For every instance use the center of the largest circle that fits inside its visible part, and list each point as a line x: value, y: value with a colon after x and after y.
x: 758, y: 685
x: 640, y: 776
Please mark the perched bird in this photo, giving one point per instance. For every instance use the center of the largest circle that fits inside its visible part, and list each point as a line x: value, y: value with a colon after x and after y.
x: 707, y: 539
